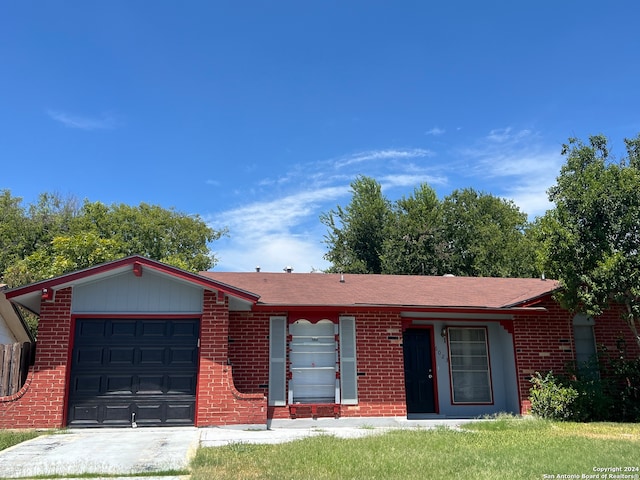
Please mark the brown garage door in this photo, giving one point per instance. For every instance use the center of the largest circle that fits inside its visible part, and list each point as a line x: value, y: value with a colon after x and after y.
x: 133, y: 370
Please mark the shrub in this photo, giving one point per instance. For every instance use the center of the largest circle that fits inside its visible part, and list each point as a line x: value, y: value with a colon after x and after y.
x: 550, y: 399
x: 604, y: 389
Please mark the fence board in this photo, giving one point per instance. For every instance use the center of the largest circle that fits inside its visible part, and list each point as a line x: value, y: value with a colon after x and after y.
x: 14, y: 366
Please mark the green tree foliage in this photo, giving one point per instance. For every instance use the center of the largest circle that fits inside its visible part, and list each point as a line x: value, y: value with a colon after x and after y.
x: 468, y: 233
x: 486, y: 236
x: 591, y: 241
x: 356, y: 232
x: 413, y: 243
x: 54, y: 236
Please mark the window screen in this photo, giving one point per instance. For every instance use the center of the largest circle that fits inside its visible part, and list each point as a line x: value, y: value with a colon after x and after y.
x: 469, y: 364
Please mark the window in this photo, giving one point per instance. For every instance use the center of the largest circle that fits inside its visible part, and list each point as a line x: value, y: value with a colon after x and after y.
x: 321, y: 363
x: 469, y: 365
x: 585, y: 345
x: 313, y: 361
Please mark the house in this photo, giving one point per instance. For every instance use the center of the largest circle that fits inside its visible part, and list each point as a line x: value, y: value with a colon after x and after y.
x: 136, y: 341
x: 13, y: 328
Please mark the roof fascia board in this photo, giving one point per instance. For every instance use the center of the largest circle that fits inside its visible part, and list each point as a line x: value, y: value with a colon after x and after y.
x: 405, y: 310
x: 73, y: 277
x: 529, y: 302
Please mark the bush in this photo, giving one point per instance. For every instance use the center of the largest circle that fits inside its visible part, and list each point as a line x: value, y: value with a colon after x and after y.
x: 621, y: 377
x: 606, y: 389
x: 550, y: 399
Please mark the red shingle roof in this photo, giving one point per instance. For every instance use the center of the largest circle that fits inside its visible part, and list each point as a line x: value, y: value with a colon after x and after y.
x: 294, y: 289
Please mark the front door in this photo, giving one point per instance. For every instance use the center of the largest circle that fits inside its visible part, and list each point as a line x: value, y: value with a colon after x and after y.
x: 418, y: 371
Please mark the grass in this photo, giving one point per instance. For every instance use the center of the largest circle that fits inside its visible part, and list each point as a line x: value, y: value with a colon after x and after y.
x: 502, y: 448
x: 8, y: 438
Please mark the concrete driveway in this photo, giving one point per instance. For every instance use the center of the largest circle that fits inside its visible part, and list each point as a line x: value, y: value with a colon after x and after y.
x: 130, y: 451
x: 108, y: 451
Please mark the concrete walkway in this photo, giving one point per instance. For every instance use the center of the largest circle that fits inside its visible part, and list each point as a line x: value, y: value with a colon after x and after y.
x: 280, y: 431
x: 130, y: 451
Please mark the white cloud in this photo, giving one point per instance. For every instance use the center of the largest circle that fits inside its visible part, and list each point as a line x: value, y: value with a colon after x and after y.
x: 275, y: 233
x: 102, y: 122
x: 410, y: 180
x: 435, y: 131
x: 390, y: 154
x: 272, y: 253
x: 519, y: 164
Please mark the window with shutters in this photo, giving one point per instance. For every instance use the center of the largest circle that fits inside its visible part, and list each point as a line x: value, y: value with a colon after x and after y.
x: 321, y: 362
x: 469, y: 364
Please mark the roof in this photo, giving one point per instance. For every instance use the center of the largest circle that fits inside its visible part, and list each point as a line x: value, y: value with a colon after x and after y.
x: 12, y: 318
x: 29, y: 296
x: 308, y: 289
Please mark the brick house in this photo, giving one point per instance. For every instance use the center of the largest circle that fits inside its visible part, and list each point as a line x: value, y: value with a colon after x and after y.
x: 136, y: 341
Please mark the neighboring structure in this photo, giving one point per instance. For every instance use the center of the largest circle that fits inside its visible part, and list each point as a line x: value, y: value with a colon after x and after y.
x: 13, y: 328
x: 138, y: 342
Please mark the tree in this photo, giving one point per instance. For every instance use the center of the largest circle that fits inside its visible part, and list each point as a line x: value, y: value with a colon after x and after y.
x: 591, y: 241
x: 413, y: 241
x: 152, y: 231
x: 57, y: 237
x: 356, y: 233
x: 486, y: 236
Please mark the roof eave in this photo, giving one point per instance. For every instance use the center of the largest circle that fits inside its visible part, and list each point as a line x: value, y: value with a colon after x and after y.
x: 26, y: 294
x: 401, y: 308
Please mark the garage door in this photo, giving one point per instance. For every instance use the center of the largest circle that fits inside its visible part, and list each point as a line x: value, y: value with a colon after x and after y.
x: 133, y: 370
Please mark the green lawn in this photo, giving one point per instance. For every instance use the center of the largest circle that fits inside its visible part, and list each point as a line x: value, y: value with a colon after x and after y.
x: 9, y: 438
x: 506, y: 448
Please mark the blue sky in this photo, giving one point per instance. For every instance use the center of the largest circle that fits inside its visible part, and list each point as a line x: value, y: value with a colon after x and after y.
x: 258, y: 115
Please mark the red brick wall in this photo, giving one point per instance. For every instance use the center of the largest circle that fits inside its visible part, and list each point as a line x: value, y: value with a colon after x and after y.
x: 249, y: 350
x: 218, y: 401
x: 380, y: 366
x: 611, y: 331
x: 379, y: 360
x: 543, y: 342
x: 40, y: 403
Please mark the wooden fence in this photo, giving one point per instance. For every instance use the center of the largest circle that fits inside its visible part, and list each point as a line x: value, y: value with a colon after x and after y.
x: 14, y: 366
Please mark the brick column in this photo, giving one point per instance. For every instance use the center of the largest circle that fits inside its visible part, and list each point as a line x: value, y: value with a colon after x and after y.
x: 40, y: 402
x: 218, y: 402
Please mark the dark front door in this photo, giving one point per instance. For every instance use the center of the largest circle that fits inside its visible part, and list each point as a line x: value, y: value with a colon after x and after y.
x: 418, y: 371
x: 133, y: 370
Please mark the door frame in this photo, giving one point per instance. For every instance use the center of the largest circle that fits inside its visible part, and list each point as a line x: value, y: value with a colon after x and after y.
x: 408, y: 325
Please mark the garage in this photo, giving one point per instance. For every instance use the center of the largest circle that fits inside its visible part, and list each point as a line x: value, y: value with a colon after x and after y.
x: 133, y: 372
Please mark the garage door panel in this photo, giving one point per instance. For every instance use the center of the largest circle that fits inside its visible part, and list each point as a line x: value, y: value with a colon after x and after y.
x: 118, y: 384
x: 183, y: 356
x: 89, y: 357
x: 181, y: 384
x: 121, y: 356
x: 87, y: 414
x: 86, y: 384
x: 153, y: 356
x: 184, y: 330
x: 116, y: 414
x: 154, y: 329
x: 151, y: 384
x: 122, y: 329
x: 126, y: 366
